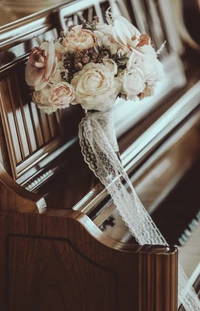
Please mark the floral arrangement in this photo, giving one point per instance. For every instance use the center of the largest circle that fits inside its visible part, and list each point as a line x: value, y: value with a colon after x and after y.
x: 92, y: 64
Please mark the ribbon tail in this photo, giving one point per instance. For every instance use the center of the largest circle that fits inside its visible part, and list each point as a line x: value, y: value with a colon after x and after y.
x: 99, y: 146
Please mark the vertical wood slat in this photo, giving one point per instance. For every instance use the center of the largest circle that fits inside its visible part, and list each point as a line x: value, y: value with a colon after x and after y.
x: 155, y: 24
x: 173, y: 37
x: 123, y: 9
x: 16, y: 111
x: 9, y: 125
x: 52, y: 125
x: 29, y: 128
x: 44, y: 126
x: 36, y: 125
x: 30, y: 135
x: 150, y: 21
x: 140, y: 18
x: 59, y: 120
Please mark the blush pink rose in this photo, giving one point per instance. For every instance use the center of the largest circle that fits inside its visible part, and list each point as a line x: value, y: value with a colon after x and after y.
x: 61, y: 95
x: 41, y: 65
x: 55, y: 97
x: 78, y: 39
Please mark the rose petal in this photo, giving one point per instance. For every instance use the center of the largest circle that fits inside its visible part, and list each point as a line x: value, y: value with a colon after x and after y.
x: 32, y: 74
x: 50, y: 58
x: 121, y: 33
x: 132, y: 29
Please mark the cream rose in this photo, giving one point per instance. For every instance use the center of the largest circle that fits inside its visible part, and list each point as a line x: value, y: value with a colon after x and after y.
x: 132, y: 83
x: 96, y: 86
x: 41, y: 99
x: 152, y: 70
x: 41, y: 65
x: 147, y: 51
x: 57, y: 96
x: 61, y: 95
x: 78, y: 39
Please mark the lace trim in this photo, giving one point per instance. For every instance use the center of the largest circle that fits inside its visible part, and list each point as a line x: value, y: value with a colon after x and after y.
x: 99, y: 146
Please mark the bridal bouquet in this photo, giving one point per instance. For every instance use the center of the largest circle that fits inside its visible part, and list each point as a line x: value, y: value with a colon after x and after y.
x: 91, y: 65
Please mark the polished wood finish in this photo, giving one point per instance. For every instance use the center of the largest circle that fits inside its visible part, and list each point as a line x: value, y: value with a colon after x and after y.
x: 62, y: 260
x: 56, y: 251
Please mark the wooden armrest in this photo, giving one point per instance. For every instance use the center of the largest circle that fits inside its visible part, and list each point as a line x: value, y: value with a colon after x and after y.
x: 15, y: 198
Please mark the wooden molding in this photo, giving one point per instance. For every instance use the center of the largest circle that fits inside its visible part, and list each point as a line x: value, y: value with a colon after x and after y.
x: 15, y: 198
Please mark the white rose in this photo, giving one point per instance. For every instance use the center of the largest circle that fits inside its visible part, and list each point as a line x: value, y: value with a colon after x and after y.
x: 57, y: 96
x: 147, y: 51
x: 152, y: 70
x: 40, y: 98
x: 96, y: 86
x: 132, y: 82
x: 111, y: 66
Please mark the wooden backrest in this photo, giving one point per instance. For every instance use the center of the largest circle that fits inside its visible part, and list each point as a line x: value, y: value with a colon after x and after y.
x: 30, y: 135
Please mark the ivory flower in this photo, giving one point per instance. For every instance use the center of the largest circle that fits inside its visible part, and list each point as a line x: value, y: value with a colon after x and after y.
x: 50, y: 99
x: 128, y: 35
x: 78, y: 39
x: 125, y: 33
x: 96, y: 86
x: 61, y: 95
x: 41, y: 65
x: 152, y: 70
x: 132, y: 83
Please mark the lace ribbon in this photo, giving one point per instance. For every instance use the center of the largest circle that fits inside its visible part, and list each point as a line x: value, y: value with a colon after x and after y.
x: 99, y: 147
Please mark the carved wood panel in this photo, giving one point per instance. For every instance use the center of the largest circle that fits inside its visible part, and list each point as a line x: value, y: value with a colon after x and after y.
x: 54, y: 276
